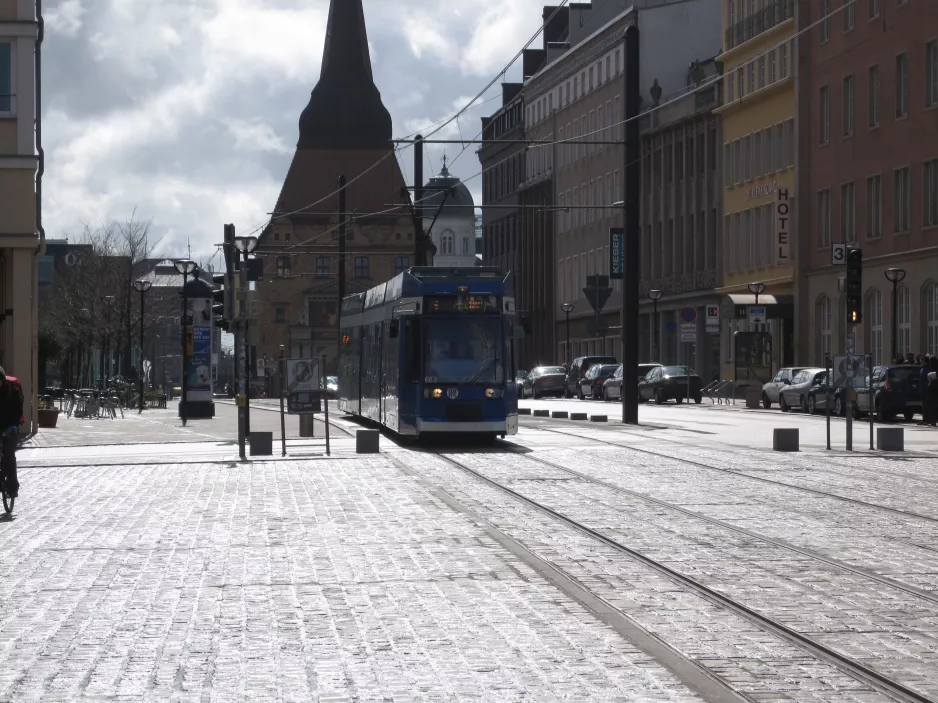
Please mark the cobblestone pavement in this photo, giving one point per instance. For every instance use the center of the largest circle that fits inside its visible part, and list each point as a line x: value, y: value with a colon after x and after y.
x: 332, y: 580
x: 759, y: 665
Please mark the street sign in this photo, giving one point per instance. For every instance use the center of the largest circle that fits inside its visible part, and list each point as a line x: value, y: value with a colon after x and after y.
x: 850, y: 371
x: 689, y: 332
x: 782, y: 227
x: 713, y: 318
x: 303, y: 392
x: 597, y: 291
x: 617, y: 253
x: 261, y: 368
x: 688, y: 315
x: 838, y: 254
x: 757, y: 314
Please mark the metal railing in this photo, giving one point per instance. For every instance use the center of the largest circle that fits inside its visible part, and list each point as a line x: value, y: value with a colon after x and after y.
x: 754, y: 25
x: 721, y: 392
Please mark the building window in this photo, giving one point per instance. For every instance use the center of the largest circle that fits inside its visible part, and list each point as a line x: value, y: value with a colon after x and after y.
x: 849, y: 14
x: 401, y: 264
x: 930, y: 193
x: 824, y: 115
x: 931, y: 74
x: 280, y: 314
x: 322, y: 266
x: 874, y: 9
x: 283, y: 266
x: 783, y: 60
x: 848, y: 106
x: 904, y: 309
x: 790, y: 142
x: 876, y: 326
x: 902, y: 86
x: 900, y: 200
x: 824, y: 218
x: 46, y: 270
x: 874, y: 206
x: 740, y: 84
x: 848, y: 214
x: 931, y: 319
x: 6, y: 77
x: 873, y: 98
x: 447, y: 242
x: 362, y: 267
x: 750, y: 77
x: 823, y: 315
x: 772, y: 68
x: 825, y: 20
x: 762, y: 72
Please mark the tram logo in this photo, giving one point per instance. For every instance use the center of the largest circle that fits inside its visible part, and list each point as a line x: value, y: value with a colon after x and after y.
x: 452, y: 393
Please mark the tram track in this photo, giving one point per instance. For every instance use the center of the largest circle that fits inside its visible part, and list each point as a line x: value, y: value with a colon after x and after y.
x: 846, y: 664
x: 761, y: 479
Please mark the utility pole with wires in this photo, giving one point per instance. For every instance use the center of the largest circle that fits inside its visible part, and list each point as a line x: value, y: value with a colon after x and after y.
x: 420, y: 248
x: 341, y: 280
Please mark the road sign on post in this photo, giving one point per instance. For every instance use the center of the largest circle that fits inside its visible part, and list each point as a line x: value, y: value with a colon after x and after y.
x: 597, y: 292
x: 713, y: 318
x: 838, y: 254
x: 616, y: 253
x: 688, y: 325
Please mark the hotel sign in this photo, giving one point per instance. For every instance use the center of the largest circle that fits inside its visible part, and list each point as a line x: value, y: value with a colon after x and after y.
x: 762, y: 191
x: 782, y: 227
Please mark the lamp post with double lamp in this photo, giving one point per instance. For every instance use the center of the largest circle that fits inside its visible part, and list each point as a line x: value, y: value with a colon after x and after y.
x: 568, y: 308
x: 185, y: 267
x: 245, y: 245
x: 895, y: 276
x: 141, y: 286
x: 757, y: 288
x: 655, y: 295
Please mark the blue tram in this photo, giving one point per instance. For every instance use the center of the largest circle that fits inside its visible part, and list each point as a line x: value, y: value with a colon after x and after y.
x: 431, y: 351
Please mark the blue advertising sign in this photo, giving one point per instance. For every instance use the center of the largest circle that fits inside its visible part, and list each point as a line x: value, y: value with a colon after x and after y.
x: 200, y: 361
x: 617, y: 253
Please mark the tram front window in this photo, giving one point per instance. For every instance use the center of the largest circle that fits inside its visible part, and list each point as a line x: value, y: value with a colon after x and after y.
x: 464, y: 351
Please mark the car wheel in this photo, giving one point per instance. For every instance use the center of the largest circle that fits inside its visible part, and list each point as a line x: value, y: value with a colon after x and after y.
x: 804, y: 404
x: 783, y: 406
x: 698, y: 399
x: 659, y: 397
x: 812, y: 404
x: 908, y: 415
x: 606, y: 395
x: 766, y: 403
x: 838, y: 407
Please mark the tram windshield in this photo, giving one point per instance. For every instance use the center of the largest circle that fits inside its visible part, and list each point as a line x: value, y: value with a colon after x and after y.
x: 465, y: 350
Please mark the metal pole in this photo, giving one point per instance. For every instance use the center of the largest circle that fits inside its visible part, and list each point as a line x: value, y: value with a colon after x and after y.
x: 283, y: 418
x: 140, y: 366
x: 895, y: 325
x: 240, y: 359
x: 569, y: 358
x: 657, y: 324
x: 185, y: 348
x: 248, y: 357
x: 420, y: 251
x: 325, y: 400
x: 341, y: 279
x: 632, y: 227
x: 829, y: 366
x: 869, y: 368
x: 848, y: 391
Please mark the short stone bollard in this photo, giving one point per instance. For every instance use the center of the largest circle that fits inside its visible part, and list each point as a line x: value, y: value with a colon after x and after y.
x: 560, y: 414
x: 890, y: 439
x: 524, y: 411
x: 262, y: 443
x: 542, y: 413
x: 599, y: 418
x: 578, y: 416
x: 753, y: 398
x: 785, y: 439
x: 367, y: 441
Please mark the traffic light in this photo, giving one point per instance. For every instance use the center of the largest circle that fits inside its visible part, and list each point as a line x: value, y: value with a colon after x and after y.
x: 854, y: 286
x: 220, y: 305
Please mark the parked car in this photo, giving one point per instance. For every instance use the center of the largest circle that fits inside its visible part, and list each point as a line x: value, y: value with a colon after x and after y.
x: 817, y: 399
x: 520, y: 375
x: 612, y: 388
x: 895, y: 391
x: 795, y: 394
x: 670, y: 383
x: 782, y: 379
x: 591, y: 385
x: 544, y: 380
x: 578, y: 369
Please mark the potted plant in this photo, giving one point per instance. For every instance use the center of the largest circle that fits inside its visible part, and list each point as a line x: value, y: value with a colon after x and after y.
x: 48, y: 413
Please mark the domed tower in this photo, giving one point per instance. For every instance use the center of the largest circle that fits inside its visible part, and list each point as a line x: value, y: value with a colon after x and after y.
x: 449, y: 219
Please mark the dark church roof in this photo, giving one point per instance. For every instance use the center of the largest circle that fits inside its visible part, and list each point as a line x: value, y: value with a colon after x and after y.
x: 345, y: 109
x: 458, y: 195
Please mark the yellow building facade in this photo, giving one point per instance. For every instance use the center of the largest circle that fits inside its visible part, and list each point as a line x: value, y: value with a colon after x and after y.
x: 20, y: 246
x: 758, y: 113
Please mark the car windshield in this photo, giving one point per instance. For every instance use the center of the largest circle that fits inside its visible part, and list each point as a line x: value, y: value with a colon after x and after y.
x: 678, y: 371
x: 464, y: 350
x: 608, y: 370
x: 546, y: 370
x: 334, y: 380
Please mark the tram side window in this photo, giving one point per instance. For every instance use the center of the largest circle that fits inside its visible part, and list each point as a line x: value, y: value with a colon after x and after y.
x: 411, y: 351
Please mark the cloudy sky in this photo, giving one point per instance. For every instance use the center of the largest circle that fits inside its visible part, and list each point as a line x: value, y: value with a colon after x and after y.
x: 186, y: 110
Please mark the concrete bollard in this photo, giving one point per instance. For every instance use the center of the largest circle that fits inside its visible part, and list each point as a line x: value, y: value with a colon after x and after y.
x: 753, y: 397
x: 542, y: 413
x: 890, y: 439
x: 599, y: 418
x: 577, y: 416
x: 307, y: 426
x: 524, y: 411
x: 560, y: 414
x: 785, y: 439
x: 367, y: 441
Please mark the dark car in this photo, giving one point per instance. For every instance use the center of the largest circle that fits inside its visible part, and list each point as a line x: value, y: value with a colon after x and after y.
x: 544, y: 380
x: 895, y: 390
x: 612, y: 388
x: 591, y: 386
x: 670, y: 383
x: 578, y: 370
x: 818, y: 399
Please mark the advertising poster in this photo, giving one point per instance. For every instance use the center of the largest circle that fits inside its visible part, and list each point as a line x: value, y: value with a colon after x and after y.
x: 199, y: 363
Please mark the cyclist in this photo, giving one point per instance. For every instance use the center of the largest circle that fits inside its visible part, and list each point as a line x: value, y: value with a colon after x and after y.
x: 11, y: 417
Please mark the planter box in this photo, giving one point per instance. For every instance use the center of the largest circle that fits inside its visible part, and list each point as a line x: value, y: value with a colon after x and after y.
x: 48, y: 418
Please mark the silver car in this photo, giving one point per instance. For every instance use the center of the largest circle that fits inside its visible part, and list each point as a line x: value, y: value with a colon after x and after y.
x: 781, y: 380
x: 796, y: 394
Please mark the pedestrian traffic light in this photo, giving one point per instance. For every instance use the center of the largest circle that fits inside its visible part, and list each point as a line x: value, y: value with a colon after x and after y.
x: 221, y: 312
x: 854, y: 286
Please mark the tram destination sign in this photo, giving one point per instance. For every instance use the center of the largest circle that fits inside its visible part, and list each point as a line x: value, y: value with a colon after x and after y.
x: 463, y: 304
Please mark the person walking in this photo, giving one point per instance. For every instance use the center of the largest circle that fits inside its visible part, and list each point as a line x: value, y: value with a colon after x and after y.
x: 11, y: 417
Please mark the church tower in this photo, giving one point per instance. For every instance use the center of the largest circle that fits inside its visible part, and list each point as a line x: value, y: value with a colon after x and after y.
x: 344, y: 130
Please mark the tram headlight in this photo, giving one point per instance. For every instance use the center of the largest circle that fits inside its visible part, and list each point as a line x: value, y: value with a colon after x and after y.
x: 494, y: 392
x: 437, y: 393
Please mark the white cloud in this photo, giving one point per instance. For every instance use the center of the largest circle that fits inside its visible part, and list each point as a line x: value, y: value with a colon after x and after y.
x: 66, y: 19
x: 256, y: 135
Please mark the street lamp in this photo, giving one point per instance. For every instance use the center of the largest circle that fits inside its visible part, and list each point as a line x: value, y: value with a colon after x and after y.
x: 185, y: 267
x: 141, y: 286
x: 756, y: 288
x: 245, y: 245
x: 655, y: 296
x: 895, y: 275
x: 283, y: 421
x: 568, y: 308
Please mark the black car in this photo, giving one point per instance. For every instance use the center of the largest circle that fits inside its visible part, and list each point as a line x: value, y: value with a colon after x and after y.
x: 591, y: 386
x: 670, y: 383
x: 895, y: 390
x: 578, y: 370
x: 612, y: 388
x: 543, y: 380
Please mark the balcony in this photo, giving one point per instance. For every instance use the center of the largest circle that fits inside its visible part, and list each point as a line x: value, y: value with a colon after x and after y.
x: 754, y: 25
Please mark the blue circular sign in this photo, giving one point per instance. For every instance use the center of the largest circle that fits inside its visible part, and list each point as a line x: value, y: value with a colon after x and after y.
x: 688, y: 315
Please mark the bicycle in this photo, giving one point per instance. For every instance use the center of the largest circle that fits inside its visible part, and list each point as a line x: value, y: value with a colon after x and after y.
x: 8, y: 500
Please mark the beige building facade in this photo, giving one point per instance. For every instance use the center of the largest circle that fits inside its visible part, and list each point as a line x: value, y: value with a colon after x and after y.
x: 20, y: 246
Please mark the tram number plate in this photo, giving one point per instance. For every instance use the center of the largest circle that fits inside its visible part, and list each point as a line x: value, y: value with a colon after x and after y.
x: 304, y: 403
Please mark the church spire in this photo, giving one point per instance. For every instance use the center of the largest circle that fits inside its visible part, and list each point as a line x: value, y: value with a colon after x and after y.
x: 345, y: 110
